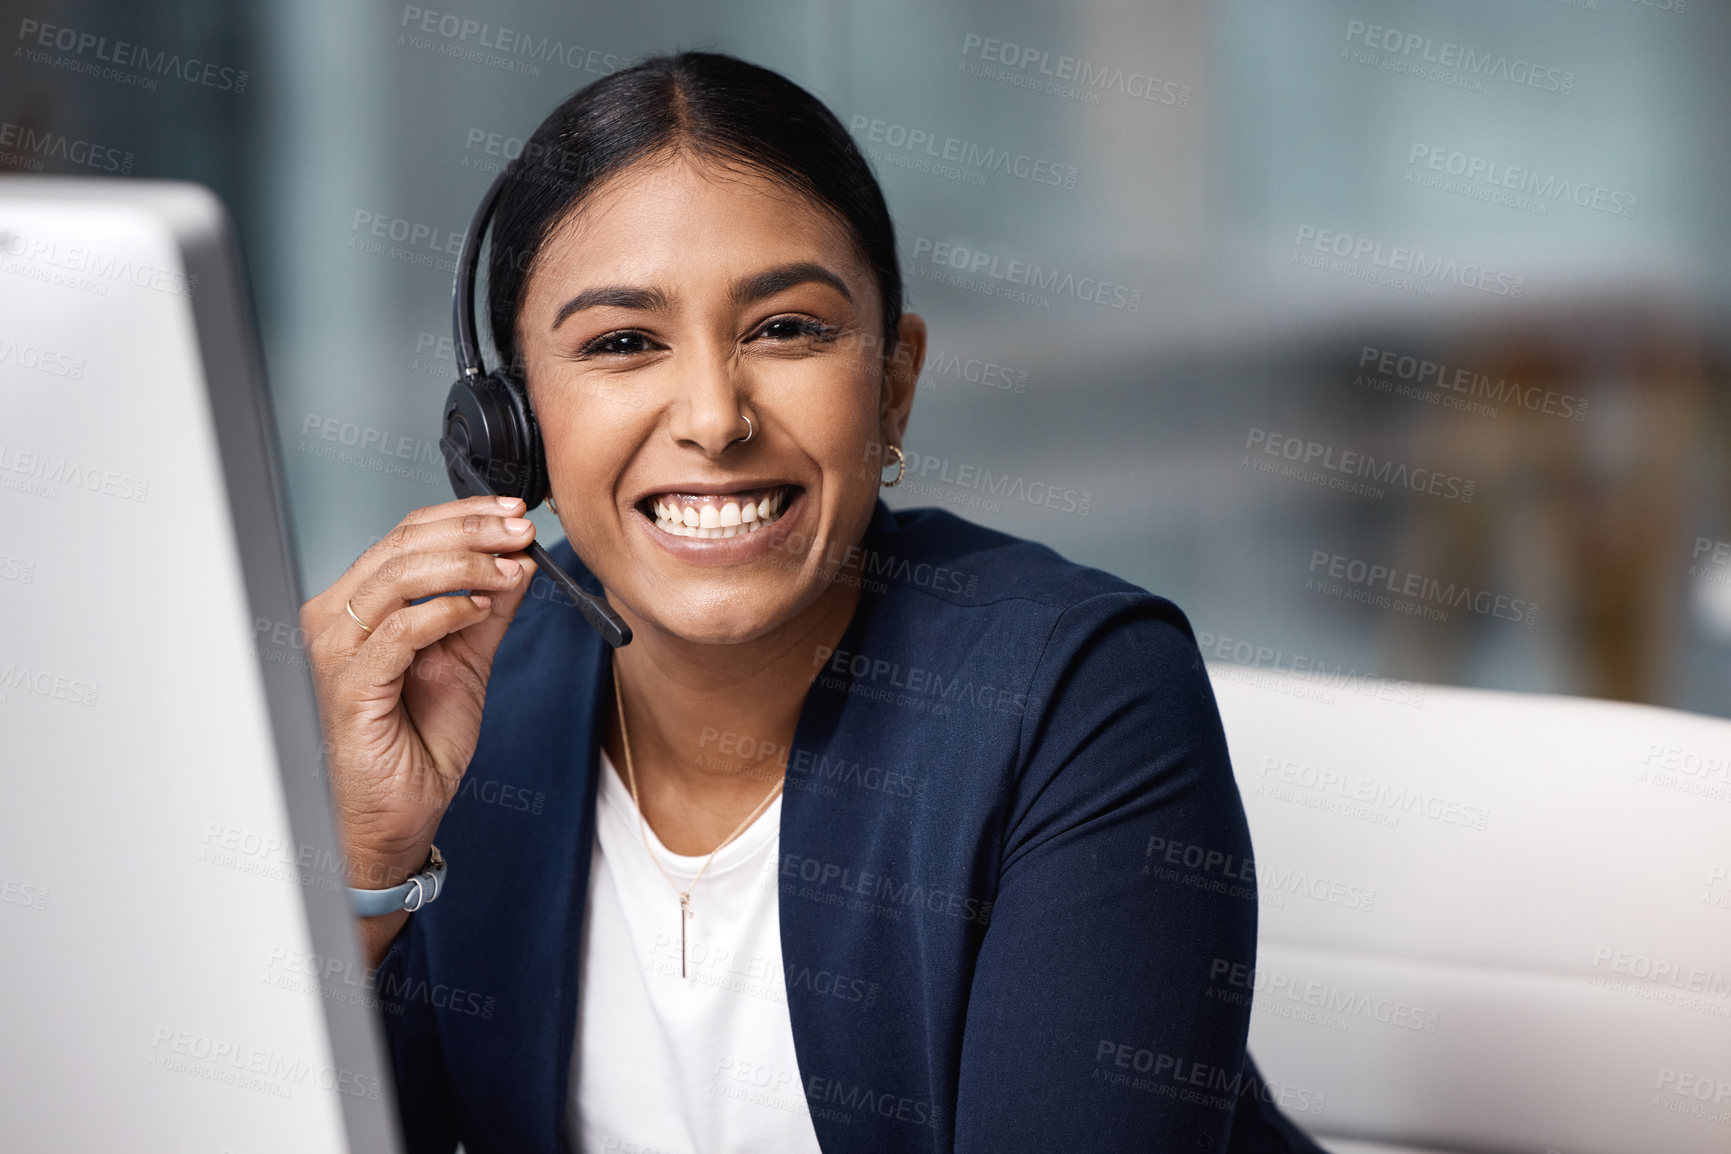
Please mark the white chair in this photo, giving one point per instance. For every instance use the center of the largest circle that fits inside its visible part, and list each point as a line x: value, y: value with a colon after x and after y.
x: 1489, y: 922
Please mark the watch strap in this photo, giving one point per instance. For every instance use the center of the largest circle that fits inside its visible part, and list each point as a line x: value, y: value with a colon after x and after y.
x: 411, y: 895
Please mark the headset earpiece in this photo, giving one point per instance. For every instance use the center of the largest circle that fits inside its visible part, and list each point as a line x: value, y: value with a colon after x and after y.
x: 536, y: 481
x: 488, y: 418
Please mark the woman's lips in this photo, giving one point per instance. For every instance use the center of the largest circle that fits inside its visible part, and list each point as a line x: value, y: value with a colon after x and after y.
x: 725, y: 545
x: 717, y: 516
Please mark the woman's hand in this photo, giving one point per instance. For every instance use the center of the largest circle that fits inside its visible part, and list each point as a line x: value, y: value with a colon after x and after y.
x: 401, y: 705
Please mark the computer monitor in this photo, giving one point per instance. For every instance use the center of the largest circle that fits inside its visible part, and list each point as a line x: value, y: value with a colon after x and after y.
x: 178, y: 968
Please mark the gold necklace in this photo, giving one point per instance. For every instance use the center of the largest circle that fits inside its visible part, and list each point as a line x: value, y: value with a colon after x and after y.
x: 631, y: 779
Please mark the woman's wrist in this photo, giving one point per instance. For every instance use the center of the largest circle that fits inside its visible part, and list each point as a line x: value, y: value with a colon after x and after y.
x: 377, y: 934
x: 380, y: 870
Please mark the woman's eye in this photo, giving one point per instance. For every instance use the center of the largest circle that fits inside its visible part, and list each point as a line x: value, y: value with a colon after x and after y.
x: 796, y: 328
x: 621, y: 344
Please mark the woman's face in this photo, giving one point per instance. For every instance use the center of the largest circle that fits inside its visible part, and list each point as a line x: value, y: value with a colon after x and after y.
x: 678, y: 300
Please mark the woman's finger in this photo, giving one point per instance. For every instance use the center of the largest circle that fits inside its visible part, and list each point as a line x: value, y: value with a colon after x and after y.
x: 484, y: 636
x: 482, y: 524
x: 403, y: 579
x: 391, y: 646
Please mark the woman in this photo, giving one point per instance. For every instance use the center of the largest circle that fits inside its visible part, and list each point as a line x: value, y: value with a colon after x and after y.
x: 853, y: 847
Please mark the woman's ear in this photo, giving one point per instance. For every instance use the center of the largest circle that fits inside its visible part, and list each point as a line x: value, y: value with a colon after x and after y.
x: 901, y: 374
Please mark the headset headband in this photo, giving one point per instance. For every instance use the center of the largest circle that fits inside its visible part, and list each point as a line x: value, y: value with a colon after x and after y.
x: 463, y: 290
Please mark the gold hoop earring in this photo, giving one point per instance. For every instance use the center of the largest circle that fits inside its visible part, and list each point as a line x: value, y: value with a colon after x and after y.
x: 901, y: 467
x: 551, y: 505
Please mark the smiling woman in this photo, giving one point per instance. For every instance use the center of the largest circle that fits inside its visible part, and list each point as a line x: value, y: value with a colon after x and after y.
x: 835, y: 854
x: 700, y: 340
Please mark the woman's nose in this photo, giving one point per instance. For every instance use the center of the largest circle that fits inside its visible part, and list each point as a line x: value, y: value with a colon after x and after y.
x: 708, y: 415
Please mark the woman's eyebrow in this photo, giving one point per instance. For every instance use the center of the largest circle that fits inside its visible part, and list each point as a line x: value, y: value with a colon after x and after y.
x: 771, y: 281
x: 619, y: 296
x: 753, y: 288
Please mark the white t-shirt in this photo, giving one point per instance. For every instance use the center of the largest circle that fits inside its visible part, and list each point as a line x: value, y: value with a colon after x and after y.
x: 671, y: 1065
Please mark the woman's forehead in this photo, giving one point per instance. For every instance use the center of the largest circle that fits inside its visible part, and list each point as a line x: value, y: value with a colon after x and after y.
x: 692, y: 195
x: 685, y: 219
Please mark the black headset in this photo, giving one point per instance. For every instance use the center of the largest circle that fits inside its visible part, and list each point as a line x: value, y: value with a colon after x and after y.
x: 491, y: 443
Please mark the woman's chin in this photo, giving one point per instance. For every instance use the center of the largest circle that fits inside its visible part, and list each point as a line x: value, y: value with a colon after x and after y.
x: 719, y: 607
x: 717, y: 628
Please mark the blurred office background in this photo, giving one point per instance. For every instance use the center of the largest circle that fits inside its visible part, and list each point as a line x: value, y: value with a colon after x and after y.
x: 1386, y: 337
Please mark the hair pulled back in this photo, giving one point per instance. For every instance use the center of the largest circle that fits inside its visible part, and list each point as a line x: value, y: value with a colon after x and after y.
x: 708, y: 105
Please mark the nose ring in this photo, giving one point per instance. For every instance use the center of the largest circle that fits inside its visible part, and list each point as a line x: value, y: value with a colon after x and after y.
x: 750, y: 429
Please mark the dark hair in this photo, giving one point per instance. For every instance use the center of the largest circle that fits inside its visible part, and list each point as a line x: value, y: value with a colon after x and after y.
x: 714, y: 106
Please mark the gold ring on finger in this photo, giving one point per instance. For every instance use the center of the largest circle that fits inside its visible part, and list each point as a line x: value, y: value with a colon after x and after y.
x: 350, y: 606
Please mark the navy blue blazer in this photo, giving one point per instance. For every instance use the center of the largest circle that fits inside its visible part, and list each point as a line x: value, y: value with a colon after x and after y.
x: 991, y: 940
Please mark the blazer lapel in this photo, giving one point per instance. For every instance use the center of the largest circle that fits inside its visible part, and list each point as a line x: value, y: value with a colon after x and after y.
x: 511, y: 920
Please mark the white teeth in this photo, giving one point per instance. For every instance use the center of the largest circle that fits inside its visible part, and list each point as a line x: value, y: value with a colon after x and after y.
x: 732, y: 519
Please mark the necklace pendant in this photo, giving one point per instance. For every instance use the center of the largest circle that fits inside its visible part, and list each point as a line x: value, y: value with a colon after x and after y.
x: 684, y: 916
